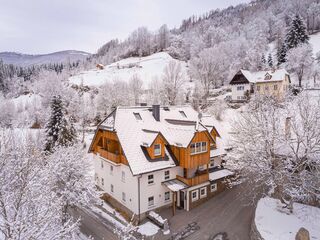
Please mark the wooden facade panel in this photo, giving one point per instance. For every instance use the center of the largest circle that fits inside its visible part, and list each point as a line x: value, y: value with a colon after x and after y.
x: 108, y: 146
x: 159, y: 140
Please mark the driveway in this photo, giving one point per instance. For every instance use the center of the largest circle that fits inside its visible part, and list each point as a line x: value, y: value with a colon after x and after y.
x: 93, y: 225
x: 227, y: 212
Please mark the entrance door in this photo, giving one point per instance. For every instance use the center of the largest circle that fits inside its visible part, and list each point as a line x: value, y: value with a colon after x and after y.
x: 182, y: 199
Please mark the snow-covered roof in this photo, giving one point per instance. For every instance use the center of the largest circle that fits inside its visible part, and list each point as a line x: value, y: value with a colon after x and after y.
x: 220, y: 174
x: 260, y: 76
x: 136, y: 127
x: 175, y: 185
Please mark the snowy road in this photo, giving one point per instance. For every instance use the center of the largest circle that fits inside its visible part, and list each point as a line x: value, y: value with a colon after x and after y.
x: 93, y: 225
x: 226, y: 212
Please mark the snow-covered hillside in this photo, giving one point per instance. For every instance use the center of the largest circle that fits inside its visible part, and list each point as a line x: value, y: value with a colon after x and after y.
x: 147, y: 68
x: 314, y: 41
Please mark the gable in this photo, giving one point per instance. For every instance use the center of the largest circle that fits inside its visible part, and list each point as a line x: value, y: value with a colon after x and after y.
x: 239, y: 78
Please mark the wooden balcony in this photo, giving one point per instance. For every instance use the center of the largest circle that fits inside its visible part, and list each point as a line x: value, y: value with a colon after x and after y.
x: 198, y: 179
x: 116, y: 158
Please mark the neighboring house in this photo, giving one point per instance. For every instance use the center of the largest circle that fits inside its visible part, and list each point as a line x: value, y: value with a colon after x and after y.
x: 146, y: 158
x: 273, y: 83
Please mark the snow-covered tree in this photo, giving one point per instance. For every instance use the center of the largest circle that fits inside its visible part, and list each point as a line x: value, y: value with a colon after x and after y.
x: 28, y: 208
x: 270, y: 61
x: 299, y: 61
x: 70, y: 178
x: 135, y: 86
x: 173, y: 79
x: 297, y: 33
x: 59, y: 131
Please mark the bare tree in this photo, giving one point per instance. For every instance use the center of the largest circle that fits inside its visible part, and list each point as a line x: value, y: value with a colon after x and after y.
x: 299, y: 61
x: 173, y: 79
x: 135, y: 86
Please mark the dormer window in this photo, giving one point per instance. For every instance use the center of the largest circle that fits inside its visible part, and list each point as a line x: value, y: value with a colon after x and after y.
x: 137, y: 116
x: 157, y: 150
x: 183, y: 114
x: 267, y: 76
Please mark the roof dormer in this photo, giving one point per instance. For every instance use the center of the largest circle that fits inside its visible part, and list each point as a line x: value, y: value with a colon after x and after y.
x: 267, y: 76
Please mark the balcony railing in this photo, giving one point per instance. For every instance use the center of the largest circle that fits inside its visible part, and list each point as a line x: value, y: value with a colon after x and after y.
x: 116, y: 158
x: 198, y: 179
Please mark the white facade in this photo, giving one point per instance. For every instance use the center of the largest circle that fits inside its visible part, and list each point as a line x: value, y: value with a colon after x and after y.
x: 125, y: 185
x: 239, y: 91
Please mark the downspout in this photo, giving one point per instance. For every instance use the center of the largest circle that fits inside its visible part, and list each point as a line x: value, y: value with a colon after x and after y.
x: 139, y: 177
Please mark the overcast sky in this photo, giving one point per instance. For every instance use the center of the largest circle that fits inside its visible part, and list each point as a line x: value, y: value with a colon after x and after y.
x: 44, y: 26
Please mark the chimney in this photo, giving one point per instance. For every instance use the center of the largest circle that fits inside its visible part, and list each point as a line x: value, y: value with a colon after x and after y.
x: 156, y: 112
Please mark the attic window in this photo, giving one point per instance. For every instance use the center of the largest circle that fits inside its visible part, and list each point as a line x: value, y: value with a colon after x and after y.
x: 267, y: 76
x: 183, y: 114
x: 137, y: 116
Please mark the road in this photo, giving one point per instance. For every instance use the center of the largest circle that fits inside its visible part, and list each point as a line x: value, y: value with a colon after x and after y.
x: 227, y: 212
x: 93, y: 225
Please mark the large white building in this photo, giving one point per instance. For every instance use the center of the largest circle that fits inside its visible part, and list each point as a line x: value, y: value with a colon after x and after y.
x: 146, y: 158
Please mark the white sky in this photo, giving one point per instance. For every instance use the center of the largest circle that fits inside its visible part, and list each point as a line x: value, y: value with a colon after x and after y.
x: 43, y: 26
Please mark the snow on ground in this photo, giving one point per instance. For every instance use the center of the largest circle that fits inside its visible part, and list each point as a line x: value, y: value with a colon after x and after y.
x: 23, y: 102
x: 111, y: 210
x: 146, y: 67
x: 108, y: 217
x: 148, y: 229
x: 315, y: 42
x: 274, y: 224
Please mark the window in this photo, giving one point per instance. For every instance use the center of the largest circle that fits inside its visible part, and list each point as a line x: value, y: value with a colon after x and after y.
x: 266, y: 88
x: 213, y: 187
x: 203, y: 146
x: 203, y: 192
x: 150, y: 201
x: 194, y: 195
x: 166, y: 175
x: 111, y: 169
x: 192, y: 148
x: 183, y: 114
x: 258, y: 88
x: 199, y: 147
x: 111, y: 188
x: 240, y: 88
x: 137, y: 116
x: 275, y: 87
x: 123, y: 176
x: 157, y: 149
x: 167, y: 196
x: 150, y: 179
x: 102, y: 181
x: 123, y: 196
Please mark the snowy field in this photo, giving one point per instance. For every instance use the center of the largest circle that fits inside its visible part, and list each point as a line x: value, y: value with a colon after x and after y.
x: 273, y: 223
x: 147, y: 68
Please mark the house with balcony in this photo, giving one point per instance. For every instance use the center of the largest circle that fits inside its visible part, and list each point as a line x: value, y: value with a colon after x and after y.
x: 268, y: 83
x: 151, y: 157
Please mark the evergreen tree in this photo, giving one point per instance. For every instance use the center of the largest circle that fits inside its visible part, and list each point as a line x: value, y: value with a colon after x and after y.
x: 270, y: 61
x: 59, y: 131
x: 262, y: 62
x: 281, y: 54
x: 297, y: 33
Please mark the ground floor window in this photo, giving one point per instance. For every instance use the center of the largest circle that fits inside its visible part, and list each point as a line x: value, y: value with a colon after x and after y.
x: 102, y: 181
x: 151, y: 201
x: 194, y: 195
x: 203, y: 192
x: 111, y: 188
x: 123, y: 196
x: 213, y: 187
x: 167, y: 196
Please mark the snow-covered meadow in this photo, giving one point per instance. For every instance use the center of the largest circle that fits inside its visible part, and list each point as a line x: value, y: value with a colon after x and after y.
x: 274, y: 222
